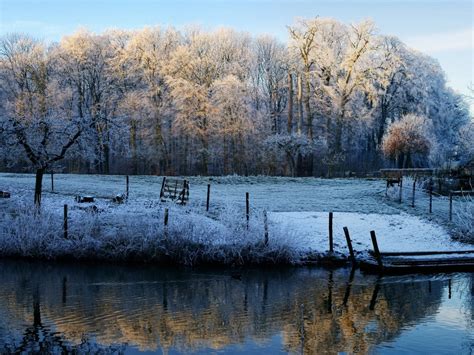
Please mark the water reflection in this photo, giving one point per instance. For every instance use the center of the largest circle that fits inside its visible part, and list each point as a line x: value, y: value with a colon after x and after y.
x: 60, y: 307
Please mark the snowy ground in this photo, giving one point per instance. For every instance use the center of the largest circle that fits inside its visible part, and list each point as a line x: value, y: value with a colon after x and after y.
x: 271, y: 193
x: 297, y: 212
x: 395, y: 232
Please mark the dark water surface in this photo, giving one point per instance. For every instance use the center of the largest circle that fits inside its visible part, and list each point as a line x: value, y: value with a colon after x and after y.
x: 102, y: 308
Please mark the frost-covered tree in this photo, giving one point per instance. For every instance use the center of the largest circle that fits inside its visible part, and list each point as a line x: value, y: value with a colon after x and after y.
x: 407, y: 138
x: 83, y: 61
x: 303, y: 42
x: 164, y: 101
x: 291, y: 146
x: 37, y: 118
x: 232, y: 124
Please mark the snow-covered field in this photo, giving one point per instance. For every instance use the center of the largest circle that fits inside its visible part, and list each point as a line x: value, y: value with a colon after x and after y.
x: 297, y: 214
x: 271, y: 193
x: 395, y: 232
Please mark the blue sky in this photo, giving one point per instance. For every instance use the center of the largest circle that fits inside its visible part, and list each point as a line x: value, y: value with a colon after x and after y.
x: 441, y: 28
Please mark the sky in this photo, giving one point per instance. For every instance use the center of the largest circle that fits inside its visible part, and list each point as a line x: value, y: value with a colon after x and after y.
x: 443, y: 29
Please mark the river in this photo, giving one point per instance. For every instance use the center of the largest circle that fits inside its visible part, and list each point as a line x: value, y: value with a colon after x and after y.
x: 102, y: 308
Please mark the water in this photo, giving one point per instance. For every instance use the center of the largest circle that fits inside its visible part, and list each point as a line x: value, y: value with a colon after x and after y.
x: 100, y: 308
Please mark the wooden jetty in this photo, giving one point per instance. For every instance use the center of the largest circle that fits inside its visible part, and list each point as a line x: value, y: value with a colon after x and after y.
x: 416, y: 261
x: 429, y: 263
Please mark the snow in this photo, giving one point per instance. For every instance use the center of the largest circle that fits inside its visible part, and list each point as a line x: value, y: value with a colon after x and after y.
x: 395, y: 233
x: 297, y: 209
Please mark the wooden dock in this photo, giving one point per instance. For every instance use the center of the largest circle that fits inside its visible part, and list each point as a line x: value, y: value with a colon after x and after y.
x: 420, y: 262
x: 415, y: 261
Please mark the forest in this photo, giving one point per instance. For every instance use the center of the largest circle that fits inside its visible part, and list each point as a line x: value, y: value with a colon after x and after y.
x: 334, y: 98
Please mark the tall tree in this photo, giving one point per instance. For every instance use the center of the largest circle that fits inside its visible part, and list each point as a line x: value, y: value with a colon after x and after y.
x: 37, y: 118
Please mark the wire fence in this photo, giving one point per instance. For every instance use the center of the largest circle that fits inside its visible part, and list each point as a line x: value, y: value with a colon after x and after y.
x: 455, y: 209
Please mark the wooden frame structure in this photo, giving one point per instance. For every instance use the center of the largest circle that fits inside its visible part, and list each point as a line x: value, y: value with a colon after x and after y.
x: 174, y: 189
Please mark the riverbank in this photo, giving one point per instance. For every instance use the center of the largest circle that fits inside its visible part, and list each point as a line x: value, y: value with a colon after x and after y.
x: 135, y: 231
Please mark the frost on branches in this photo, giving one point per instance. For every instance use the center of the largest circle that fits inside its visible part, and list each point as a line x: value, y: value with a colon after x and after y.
x: 406, y: 141
x: 162, y: 101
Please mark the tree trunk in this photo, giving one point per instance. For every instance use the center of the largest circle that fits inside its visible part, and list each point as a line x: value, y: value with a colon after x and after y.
x: 292, y: 163
x: 133, y: 146
x: 309, y: 116
x: 290, y: 103
x: 38, y: 186
x: 338, y: 134
x: 299, y: 99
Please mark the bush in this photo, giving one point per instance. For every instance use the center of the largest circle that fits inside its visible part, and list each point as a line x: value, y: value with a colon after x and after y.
x: 136, y: 233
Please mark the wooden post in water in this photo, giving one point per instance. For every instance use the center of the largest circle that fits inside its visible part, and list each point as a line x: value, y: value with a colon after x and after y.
x: 247, y: 208
x: 127, y: 182
x: 52, y: 181
x: 349, y: 245
x: 450, y: 206
x: 378, y: 257
x: 375, y: 293
x: 65, y: 226
x: 331, y: 242
x: 265, y: 226
x: 413, y: 194
x: 208, y: 196
x: 348, y: 287
x: 401, y: 190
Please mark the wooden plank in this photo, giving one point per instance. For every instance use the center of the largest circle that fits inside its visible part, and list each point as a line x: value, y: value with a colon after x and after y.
x: 430, y: 262
x: 462, y: 193
x: 392, y: 173
x: 175, y: 190
x: 410, y: 253
x: 372, y: 266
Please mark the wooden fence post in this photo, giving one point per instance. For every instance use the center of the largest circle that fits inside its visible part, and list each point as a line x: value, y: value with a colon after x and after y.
x: 450, y: 205
x: 349, y: 245
x: 413, y: 194
x: 165, y: 228
x: 127, y: 181
x: 431, y: 195
x: 378, y: 257
x: 265, y: 226
x: 162, y: 187
x: 208, y: 196
x: 401, y: 190
x: 65, y: 226
x: 52, y: 181
x: 331, y: 243
x: 166, y: 217
x: 247, y: 208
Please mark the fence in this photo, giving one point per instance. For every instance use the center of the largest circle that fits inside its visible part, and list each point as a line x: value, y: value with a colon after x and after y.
x: 420, y: 194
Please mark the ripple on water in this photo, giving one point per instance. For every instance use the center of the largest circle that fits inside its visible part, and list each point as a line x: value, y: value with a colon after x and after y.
x: 307, y: 310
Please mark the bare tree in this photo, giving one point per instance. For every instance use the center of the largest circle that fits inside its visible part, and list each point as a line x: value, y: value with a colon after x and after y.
x: 37, y: 115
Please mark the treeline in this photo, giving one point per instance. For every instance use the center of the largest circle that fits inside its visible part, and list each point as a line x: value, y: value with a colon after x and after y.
x: 163, y: 101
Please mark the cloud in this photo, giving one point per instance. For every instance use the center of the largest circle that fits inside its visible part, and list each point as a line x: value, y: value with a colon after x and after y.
x: 441, y: 42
